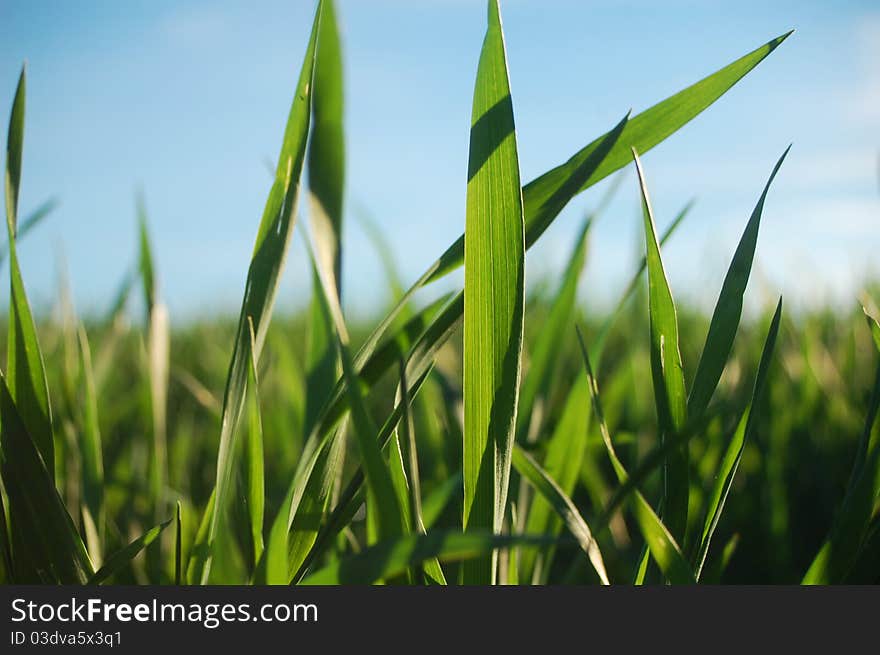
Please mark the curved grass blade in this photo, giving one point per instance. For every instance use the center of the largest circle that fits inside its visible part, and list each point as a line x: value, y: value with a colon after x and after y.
x: 728, y: 310
x: 273, y: 239
x: 25, y: 372
x: 563, y: 461
x: 733, y: 454
x: 121, y: 558
x: 660, y: 542
x: 493, y: 298
x: 551, y: 492
x: 388, y: 559
x: 46, y: 547
x: 666, y: 370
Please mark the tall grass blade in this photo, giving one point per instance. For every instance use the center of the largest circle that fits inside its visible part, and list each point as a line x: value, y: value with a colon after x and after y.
x: 31, y: 221
x: 666, y: 370
x: 728, y: 310
x: 25, y: 372
x: 733, y: 454
x: 494, y: 297
x: 273, y: 239
x: 256, y: 486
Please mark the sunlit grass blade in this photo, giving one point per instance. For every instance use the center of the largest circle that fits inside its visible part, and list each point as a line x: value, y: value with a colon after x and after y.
x: 841, y: 547
x: 25, y: 372
x: 494, y: 297
x: 660, y: 542
x: 733, y: 454
x: 326, y: 174
x: 256, y: 486
x: 122, y: 558
x: 273, y: 239
x: 46, y: 547
x: 388, y: 559
x: 158, y: 353
x: 728, y: 310
x: 597, y: 346
x: 92, y: 456
x: 551, y: 492
x: 670, y: 395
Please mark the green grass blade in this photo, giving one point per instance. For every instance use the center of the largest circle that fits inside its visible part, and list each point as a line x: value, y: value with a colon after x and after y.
x: 666, y: 370
x: 25, y: 372
x: 553, y: 494
x: 178, y: 546
x: 392, y: 558
x: 92, y: 456
x: 546, y: 351
x: 598, y: 346
x: 46, y: 547
x: 494, y: 297
x: 200, y: 551
x: 326, y: 169
x: 270, y: 251
x: 121, y: 558
x: 728, y: 310
x: 660, y: 541
x: 733, y: 454
x: 256, y: 486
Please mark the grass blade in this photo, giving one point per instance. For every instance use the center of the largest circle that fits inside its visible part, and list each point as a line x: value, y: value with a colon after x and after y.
x: 273, y: 239
x: 178, y: 546
x: 256, y: 488
x: 494, y: 297
x: 92, y: 457
x: 121, y: 558
x: 728, y: 310
x: 666, y: 370
x: 391, y: 558
x: 551, y: 492
x: 733, y: 454
x: 660, y: 541
x: 25, y: 372
x: 31, y: 221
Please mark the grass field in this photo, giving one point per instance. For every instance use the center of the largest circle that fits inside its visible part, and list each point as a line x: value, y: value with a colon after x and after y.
x: 496, y: 435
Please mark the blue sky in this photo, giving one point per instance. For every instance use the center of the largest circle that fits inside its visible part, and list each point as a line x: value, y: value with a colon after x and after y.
x: 187, y: 100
